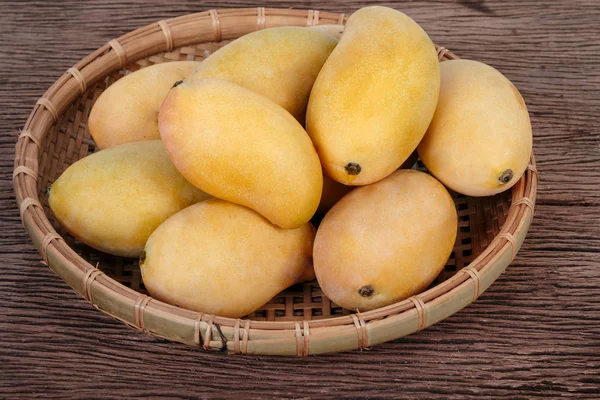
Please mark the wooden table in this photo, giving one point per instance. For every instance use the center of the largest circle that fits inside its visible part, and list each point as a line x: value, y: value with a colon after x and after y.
x: 535, y: 332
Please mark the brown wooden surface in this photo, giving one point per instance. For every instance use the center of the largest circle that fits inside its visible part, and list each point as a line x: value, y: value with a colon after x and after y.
x: 535, y: 332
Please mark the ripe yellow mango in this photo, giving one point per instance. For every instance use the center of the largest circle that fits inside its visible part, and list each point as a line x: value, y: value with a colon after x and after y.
x: 279, y: 63
x: 128, y: 110
x: 374, y: 97
x: 225, y: 259
x: 385, y: 242
x: 241, y: 147
x: 113, y: 200
x: 479, y: 141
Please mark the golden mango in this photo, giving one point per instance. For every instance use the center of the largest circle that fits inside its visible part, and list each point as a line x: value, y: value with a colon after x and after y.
x: 241, y: 147
x: 222, y: 258
x: 279, y: 63
x: 479, y: 141
x: 385, y: 242
x: 128, y: 110
x: 374, y: 97
x: 113, y: 200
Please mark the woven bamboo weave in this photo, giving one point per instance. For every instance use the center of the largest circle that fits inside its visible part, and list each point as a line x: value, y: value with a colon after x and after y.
x: 299, y: 321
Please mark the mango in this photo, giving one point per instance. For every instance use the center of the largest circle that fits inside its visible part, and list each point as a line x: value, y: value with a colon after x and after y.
x: 225, y: 259
x: 479, y: 142
x: 374, y: 97
x: 127, y: 111
x: 385, y: 242
x: 113, y: 200
x: 241, y: 147
x: 279, y: 63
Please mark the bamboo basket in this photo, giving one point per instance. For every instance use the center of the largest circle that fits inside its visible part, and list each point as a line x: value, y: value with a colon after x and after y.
x: 299, y: 321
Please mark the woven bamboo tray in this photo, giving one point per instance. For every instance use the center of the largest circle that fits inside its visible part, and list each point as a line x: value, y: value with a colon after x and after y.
x: 299, y: 321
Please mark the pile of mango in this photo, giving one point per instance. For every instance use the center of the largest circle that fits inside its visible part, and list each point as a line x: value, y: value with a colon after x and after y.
x: 212, y: 171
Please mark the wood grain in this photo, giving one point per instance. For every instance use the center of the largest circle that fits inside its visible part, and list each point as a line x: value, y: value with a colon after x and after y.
x: 534, y: 333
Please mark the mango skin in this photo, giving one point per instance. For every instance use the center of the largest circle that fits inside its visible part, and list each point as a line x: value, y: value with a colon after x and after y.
x: 481, y: 129
x: 279, y: 63
x: 113, y: 200
x: 128, y: 110
x: 222, y: 258
x: 241, y: 147
x: 333, y: 191
x: 374, y: 97
x: 334, y: 30
x: 385, y: 242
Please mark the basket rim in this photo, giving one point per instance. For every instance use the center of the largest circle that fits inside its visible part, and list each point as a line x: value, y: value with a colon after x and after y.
x: 213, y: 332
